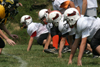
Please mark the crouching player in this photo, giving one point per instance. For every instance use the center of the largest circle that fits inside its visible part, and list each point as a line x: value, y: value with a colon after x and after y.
x: 52, y: 26
x: 87, y: 28
x: 8, y: 8
x: 36, y: 31
x: 63, y: 27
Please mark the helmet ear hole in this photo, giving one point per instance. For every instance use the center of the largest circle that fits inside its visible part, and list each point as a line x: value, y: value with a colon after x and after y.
x: 71, y: 19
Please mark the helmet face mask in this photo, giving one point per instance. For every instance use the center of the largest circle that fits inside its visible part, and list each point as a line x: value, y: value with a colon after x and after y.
x: 43, y: 20
x: 71, y: 15
x: 23, y: 25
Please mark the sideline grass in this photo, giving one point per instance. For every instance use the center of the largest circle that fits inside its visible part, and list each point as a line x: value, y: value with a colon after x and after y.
x: 37, y: 58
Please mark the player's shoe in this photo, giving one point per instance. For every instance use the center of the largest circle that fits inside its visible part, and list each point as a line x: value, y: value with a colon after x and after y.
x: 51, y: 50
x: 96, y: 56
x: 66, y: 49
x: 87, y: 52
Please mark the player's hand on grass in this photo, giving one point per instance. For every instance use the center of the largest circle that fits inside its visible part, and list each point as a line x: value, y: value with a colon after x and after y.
x: 11, y: 42
x: 60, y: 55
x: 69, y: 62
x: 79, y: 63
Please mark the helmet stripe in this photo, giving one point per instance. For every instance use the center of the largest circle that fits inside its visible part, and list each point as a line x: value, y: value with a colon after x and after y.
x: 57, y: 15
x: 72, y: 14
x: 27, y: 18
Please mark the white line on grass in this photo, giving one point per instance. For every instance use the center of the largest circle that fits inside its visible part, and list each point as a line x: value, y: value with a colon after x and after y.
x: 23, y: 63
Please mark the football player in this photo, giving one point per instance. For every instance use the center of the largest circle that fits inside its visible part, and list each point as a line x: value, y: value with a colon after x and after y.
x: 53, y: 30
x: 87, y: 28
x: 7, y: 8
x: 35, y: 30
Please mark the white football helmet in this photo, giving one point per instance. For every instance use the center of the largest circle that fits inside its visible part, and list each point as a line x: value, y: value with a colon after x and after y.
x: 43, y: 13
x: 71, y: 15
x: 26, y: 19
x: 61, y: 26
x: 54, y: 17
x: 64, y: 27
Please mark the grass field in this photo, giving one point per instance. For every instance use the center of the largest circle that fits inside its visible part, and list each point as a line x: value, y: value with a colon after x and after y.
x: 17, y: 56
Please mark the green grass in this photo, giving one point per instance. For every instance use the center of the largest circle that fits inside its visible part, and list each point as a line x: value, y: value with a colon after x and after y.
x: 37, y: 58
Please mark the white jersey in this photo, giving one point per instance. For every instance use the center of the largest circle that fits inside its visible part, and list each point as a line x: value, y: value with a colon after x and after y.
x: 87, y: 27
x: 56, y: 5
x: 63, y: 26
x: 38, y: 28
x: 92, y: 4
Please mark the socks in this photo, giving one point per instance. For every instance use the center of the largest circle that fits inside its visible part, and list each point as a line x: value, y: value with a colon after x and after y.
x: 55, y: 40
x: 66, y: 43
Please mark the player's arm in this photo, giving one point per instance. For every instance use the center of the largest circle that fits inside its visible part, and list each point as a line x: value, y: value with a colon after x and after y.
x: 3, y: 27
x: 70, y: 40
x: 9, y: 41
x: 3, y: 35
x: 73, y: 50
x: 62, y: 43
x: 82, y: 47
x: 31, y: 40
x: 30, y: 43
x: 48, y: 41
x: 78, y: 8
x: 84, y: 6
x: 71, y: 4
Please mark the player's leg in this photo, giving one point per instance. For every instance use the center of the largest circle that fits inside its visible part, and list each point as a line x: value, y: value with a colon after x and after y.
x: 42, y: 39
x: 55, y: 40
x: 95, y: 43
x: 98, y: 49
x: 66, y: 47
x: 48, y: 42
x: 55, y: 37
x: 2, y: 45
